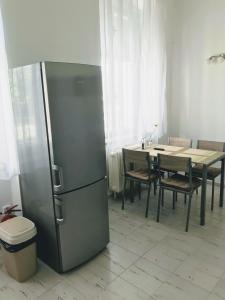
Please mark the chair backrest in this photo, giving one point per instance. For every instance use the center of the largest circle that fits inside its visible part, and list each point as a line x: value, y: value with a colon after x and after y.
x: 133, y: 159
x: 211, y: 145
x: 179, y: 142
x: 174, y: 163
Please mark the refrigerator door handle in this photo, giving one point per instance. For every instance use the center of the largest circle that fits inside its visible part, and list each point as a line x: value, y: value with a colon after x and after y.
x: 58, y: 210
x: 57, y: 178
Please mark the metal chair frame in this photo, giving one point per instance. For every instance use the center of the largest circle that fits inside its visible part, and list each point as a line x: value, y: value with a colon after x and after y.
x: 145, y: 158
x: 213, y: 146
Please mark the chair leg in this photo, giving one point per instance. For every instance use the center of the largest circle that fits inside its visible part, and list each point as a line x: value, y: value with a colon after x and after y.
x: 131, y: 191
x: 159, y: 203
x: 174, y: 199
x: 196, y: 191
x: 139, y: 191
x: 162, y: 197
x: 188, y: 212
x: 155, y: 187
x: 124, y: 193
x: 212, y: 200
x: 147, y: 204
x: 185, y: 199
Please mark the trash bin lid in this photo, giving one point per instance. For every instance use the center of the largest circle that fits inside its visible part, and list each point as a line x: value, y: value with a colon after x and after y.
x: 17, y: 230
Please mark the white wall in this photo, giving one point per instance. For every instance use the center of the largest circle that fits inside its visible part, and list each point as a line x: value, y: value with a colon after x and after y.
x: 58, y: 30
x: 37, y: 30
x: 5, y: 192
x: 69, y: 31
x: 10, y: 192
x: 196, y: 90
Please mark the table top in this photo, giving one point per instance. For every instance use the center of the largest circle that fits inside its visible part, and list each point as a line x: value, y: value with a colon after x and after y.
x: 199, y: 156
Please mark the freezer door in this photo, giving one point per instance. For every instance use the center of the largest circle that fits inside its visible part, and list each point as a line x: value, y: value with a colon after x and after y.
x: 83, y: 225
x: 77, y: 125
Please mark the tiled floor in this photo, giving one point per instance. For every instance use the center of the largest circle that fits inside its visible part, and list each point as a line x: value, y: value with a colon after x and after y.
x: 144, y: 260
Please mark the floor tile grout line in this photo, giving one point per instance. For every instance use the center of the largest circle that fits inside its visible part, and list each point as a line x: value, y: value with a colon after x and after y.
x: 188, y: 256
x: 133, y: 264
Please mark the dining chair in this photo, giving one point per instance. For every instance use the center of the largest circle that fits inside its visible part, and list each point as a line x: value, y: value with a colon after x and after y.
x: 212, y: 172
x: 138, y: 168
x: 177, y: 183
x: 179, y: 142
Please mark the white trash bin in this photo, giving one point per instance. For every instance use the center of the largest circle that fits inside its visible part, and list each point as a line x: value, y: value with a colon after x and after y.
x: 18, y: 240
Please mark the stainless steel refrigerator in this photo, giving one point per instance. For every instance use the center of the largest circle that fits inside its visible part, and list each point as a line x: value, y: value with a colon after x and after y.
x: 58, y: 112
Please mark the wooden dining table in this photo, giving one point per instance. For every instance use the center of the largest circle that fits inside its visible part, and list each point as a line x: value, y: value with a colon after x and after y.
x: 204, y: 157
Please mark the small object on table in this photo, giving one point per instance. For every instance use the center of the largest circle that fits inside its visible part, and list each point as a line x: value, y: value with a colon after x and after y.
x: 159, y: 149
x: 143, y: 144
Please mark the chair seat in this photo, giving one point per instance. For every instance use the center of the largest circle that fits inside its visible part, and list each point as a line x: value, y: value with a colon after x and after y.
x: 168, y: 170
x: 212, y: 172
x: 181, y: 182
x: 141, y: 174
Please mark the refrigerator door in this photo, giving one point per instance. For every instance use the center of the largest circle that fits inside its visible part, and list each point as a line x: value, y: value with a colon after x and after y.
x: 76, y: 123
x: 35, y: 172
x: 83, y: 227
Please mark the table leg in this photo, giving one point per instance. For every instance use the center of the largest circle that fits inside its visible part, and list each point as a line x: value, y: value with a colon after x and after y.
x: 131, y: 191
x: 203, y: 195
x: 155, y: 169
x: 222, y: 183
x: 131, y: 185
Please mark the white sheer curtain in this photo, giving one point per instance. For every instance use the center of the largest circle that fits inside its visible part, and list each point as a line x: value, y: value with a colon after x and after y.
x: 8, y: 155
x: 134, y: 70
